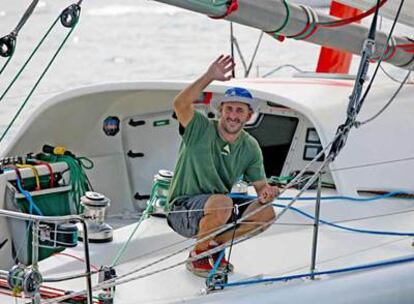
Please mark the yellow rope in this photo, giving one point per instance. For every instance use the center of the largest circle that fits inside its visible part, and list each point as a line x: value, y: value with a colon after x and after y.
x: 35, y: 172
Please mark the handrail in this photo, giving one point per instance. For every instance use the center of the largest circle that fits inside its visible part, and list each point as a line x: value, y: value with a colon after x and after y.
x: 56, y: 219
x: 47, y: 219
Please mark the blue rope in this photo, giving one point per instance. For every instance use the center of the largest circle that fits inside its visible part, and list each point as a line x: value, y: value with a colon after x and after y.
x: 334, y: 271
x: 29, y: 198
x: 337, y: 197
x: 215, y: 267
x: 350, y: 198
x: 374, y: 232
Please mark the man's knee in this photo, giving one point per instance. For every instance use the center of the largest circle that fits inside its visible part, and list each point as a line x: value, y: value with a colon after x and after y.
x: 270, y: 214
x: 266, y: 215
x: 220, y: 206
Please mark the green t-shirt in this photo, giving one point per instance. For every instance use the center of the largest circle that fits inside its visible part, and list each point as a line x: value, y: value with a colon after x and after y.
x: 208, y: 164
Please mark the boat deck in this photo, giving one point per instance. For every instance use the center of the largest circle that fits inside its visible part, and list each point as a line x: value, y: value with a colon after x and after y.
x: 284, y: 249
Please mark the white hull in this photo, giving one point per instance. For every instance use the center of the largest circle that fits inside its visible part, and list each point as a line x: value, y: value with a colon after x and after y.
x: 284, y: 249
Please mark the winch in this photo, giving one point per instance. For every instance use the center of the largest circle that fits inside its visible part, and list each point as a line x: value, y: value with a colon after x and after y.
x: 26, y: 279
x: 159, y: 194
x: 58, y: 235
x: 95, y: 205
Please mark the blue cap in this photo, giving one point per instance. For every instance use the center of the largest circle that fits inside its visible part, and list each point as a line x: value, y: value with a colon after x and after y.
x: 237, y: 94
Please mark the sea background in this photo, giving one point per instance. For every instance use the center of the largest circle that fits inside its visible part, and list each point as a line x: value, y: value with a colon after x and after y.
x: 131, y: 40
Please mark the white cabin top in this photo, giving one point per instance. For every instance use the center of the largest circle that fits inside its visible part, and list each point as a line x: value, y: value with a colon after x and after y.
x: 377, y: 156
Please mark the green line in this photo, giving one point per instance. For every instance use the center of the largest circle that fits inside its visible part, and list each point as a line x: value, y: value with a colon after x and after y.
x: 285, y: 22
x: 39, y: 79
x: 121, y: 252
x: 311, y: 28
x: 7, y: 62
x: 29, y: 59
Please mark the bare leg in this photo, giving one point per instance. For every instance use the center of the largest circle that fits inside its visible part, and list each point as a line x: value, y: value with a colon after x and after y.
x: 217, y: 212
x: 263, y: 218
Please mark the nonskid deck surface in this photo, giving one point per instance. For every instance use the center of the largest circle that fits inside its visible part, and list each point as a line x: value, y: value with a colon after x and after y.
x: 284, y: 249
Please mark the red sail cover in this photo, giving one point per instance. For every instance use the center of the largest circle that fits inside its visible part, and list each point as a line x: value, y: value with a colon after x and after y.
x: 333, y: 60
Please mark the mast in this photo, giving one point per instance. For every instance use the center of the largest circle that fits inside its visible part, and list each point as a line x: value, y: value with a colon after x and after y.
x: 290, y: 20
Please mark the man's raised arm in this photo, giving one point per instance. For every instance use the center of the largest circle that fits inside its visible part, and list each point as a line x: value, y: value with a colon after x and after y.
x: 183, y: 102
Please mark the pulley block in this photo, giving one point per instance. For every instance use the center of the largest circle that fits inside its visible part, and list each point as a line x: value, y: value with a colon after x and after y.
x: 217, y: 280
x: 70, y: 15
x: 7, y: 45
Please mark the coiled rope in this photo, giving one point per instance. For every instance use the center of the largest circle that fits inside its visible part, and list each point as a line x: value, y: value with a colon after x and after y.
x: 78, y: 178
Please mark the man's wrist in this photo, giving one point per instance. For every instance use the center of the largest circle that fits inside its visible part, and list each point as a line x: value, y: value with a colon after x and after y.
x: 208, y: 77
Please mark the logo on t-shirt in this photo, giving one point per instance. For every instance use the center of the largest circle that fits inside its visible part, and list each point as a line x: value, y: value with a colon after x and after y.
x: 225, y: 150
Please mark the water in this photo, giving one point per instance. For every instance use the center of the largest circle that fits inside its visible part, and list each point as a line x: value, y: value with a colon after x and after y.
x: 128, y: 40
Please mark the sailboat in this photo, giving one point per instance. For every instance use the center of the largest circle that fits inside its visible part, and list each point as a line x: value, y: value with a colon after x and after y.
x: 72, y: 231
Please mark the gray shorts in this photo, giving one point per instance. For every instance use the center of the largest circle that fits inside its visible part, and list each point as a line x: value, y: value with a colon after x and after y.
x: 187, y: 211
x: 186, y: 214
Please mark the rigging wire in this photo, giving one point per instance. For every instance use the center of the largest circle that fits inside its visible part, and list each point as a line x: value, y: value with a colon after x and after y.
x: 247, y: 73
x: 356, y: 230
x: 233, y: 71
x: 390, y: 76
x: 358, y: 124
x: 7, y: 62
x: 355, y: 101
x: 395, y: 194
x: 301, y: 224
x: 119, y: 280
x: 383, y: 263
x: 199, y: 240
x: 25, y: 17
x: 69, y: 18
x: 385, y: 51
x: 8, y: 42
x: 292, y: 66
x: 227, y: 226
x: 335, y: 258
x: 235, y: 43
x: 253, y: 232
x: 373, y: 164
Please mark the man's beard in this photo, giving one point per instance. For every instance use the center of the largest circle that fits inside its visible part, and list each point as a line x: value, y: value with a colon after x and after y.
x: 232, y: 130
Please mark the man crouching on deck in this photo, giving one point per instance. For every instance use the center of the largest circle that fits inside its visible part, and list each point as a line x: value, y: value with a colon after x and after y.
x: 212, y: 157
